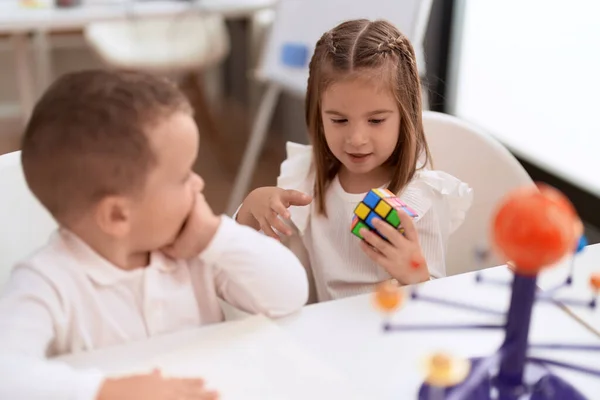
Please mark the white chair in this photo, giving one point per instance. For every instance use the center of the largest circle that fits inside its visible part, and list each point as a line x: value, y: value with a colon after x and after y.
x: 187, y: 45
x: 24, y: 224
x: 472, y: 155
x: 187, y: 42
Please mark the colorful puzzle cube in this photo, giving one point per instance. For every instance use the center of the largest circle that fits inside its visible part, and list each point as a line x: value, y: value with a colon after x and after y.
x: 382, y: 204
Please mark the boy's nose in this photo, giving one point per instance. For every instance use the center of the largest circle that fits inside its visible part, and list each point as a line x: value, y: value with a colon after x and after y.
x: 198, y: 183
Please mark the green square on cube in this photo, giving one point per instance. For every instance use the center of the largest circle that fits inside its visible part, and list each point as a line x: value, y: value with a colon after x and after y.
x: 393, y: 218
x: 357, y: 227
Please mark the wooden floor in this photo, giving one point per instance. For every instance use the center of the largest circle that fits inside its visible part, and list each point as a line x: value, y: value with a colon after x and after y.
x: 218, y: 168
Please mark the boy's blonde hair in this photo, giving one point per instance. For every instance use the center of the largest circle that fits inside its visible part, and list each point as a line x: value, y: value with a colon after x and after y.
x: 376, y: 50
x: 87, y: 137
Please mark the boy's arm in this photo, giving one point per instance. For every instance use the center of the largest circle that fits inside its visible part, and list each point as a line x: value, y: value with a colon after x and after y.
x: 27, y: 328
x: 254, y: 272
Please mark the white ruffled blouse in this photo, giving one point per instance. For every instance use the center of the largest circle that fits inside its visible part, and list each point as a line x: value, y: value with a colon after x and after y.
x: 338, y: 265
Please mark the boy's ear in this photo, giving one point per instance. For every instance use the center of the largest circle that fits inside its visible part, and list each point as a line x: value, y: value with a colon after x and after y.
x: 113, y: 215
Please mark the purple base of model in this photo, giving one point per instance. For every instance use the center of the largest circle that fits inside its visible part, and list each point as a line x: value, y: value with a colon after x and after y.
x: 539, y: 384
x: 510, y: 373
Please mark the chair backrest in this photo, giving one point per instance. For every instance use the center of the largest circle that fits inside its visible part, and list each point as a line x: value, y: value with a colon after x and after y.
x: 473, y: 156
x: 24, y: 224
x: 186, y: 42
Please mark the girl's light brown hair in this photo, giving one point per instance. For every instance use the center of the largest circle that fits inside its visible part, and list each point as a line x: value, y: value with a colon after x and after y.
x: 378, y: 50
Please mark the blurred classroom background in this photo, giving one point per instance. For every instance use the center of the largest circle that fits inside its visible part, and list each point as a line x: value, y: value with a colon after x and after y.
x: 524, y: 70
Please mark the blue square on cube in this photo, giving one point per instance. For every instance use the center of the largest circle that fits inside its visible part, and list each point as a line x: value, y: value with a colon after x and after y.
x: 370, y: 218
x: 371, y: 200
x: 294, y: 55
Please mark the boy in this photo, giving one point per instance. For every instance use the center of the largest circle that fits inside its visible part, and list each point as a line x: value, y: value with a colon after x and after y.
x: 110, y: 155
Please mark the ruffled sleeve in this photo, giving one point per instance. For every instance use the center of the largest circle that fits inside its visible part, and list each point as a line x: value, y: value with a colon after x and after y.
x: 441, y: 202
x: 297, y: 174
x: 451, y: 195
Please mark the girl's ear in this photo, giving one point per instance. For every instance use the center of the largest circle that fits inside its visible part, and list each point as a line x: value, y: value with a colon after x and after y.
x: 113, y: 216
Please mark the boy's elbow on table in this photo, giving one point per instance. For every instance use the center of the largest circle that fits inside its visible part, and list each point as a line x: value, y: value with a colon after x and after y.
x: 268, y: 280
x: 285, y: 288
x: 287, y: 291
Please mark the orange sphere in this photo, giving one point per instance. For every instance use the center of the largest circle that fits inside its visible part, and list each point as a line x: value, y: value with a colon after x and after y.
x: 595, y: 282
x: 444, y: 370
x: 388, y: 296
x: 535, y: 228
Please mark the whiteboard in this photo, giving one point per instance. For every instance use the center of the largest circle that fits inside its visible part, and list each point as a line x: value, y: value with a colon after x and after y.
x: 304, y: 22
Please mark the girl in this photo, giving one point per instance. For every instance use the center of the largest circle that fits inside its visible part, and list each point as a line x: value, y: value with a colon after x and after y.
x: 363, y: 111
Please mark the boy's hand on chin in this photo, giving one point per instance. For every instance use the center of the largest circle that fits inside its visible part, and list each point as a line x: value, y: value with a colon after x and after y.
x: 197, y: 232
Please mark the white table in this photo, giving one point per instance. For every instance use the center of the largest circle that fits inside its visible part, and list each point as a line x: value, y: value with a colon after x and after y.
x: 19, y: 22
x: 586, y: 263
x: 16, y: 19
x: 347, y: 335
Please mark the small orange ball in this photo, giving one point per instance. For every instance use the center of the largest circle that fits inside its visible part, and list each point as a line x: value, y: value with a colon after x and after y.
x: 595, y: 282
x: 441, y: 362
x: 535, y: 228
x: 388, y: 296
x: 445, y: 370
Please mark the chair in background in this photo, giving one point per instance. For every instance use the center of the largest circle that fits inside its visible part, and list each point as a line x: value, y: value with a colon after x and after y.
x: 187, y: 46
x: 472, y: 155
x: 25, y: 223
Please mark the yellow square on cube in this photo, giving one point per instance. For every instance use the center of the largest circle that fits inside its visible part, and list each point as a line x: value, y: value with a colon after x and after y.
x: 383, y: 208
x: 380, y: 193
x: 362, y: 211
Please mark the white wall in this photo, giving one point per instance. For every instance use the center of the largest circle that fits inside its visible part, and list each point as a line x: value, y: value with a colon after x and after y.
x: 528, y: 70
